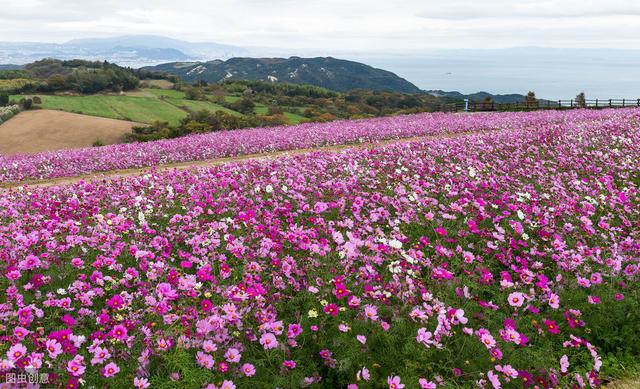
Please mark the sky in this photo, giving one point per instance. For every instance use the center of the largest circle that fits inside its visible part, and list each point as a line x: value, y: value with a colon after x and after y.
x: 355, y: 25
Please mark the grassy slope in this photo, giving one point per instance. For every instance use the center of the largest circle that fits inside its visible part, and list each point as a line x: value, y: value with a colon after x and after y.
x: 145, y: 106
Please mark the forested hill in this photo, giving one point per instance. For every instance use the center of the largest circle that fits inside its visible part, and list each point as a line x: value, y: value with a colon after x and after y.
x: 327, y: 72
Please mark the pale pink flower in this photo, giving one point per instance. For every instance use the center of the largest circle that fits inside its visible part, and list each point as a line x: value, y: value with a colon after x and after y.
x: 248, y: 369
x: 268, y: 341
x: 516, y: 299
x: 394, y: 382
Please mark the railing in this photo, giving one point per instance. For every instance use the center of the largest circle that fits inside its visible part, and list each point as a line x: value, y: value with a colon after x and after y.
x: 473, y: 106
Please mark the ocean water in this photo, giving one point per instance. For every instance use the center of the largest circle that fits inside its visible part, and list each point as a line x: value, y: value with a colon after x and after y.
x: 551, y: 73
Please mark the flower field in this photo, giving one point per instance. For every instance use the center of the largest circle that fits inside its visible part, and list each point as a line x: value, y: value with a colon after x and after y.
x: 67, y: 163
x: 502, y: 259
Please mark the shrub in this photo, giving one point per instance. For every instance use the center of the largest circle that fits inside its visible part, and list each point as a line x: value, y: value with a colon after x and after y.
x: 27, y: 103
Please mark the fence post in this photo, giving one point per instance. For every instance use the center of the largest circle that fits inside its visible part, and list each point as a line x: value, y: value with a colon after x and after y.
x: 610, y: 106
x: 571, y: 103
x: 559, y: 104
x: 622, y: 103
x: 596, y: 103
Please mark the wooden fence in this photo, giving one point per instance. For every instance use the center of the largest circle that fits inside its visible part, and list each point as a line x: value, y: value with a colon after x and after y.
x: 474, y: 106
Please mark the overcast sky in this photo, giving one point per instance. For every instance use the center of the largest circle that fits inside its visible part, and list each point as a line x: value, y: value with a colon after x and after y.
x: 381, y: 26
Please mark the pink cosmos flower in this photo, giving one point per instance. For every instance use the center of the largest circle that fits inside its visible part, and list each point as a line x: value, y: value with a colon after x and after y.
x: 206, y: 305
x: 119, y: 332
x: 289, y: 364
x: 268, y: 341
x: 232, y: 355
x: 516, y: 299
x: 554, y: 301
x: 340, y: 290
x: 331, y: 309
x: 209, y: 346
x: 16, y: 352
x: 353, y: 301
x: 324, y: 353
x: 54, y: 348
x: 165, y: 290
x: 564, y: 364
x: 248, y: 369
x: 110, y: 370
x: 141, y: 383
x: 361, y: 338
x: 100, y: 355
x: 394, y: 382
x: 294, y: 330
x: 552, y: 327
x: 76, y: 367
x: 488, y: 340
x: 115, y: 302
x: 441, y: 231
x: 371, y: 312
x: 20, y: 332
x: 363, y: 374
x: 424, y: 384
x: 227, y: 385
x: 320, y: 207
x: 205, y: 360
x: 425, y: 337
x: 494, y: 379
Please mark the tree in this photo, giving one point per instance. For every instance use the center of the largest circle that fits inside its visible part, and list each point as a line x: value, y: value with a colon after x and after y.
x: 27, y: 103
x: 243, y: 105
x: 194, y: 93
x: 487, y: 103
x: 530, y: 100
x: 581, y: 100
x: 4, y: 99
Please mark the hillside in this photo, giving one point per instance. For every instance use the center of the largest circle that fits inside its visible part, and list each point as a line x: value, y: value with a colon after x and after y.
x: 480, y: 96
x: 327, y: 72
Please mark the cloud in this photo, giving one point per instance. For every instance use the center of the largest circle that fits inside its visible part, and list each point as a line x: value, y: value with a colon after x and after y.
x: 567, y: 9
x: 333, y: 25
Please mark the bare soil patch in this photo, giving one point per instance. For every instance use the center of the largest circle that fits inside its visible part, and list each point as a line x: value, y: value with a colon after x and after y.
x: 44, y: 130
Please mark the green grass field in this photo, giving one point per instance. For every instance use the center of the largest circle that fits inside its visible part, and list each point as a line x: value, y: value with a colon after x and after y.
x: 145, y: 105
x: 137, y: 109
x: 193, y: 105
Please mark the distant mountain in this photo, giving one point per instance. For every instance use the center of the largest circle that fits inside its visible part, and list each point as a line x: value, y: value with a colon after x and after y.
x: 327, y: 72
x: 479, y: 96
x: 194, y: 50
x: 130, y: 50
x: 10, y: 67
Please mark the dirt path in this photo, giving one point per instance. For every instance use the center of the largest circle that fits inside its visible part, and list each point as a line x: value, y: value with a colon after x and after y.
x: 219, y: 161
x: 44, y: 130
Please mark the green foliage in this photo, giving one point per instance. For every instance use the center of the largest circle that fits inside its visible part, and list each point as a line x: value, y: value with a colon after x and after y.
x: 26, y: 103
x: 244, y: 105
x: 4, y: 99
x: 77, y: 75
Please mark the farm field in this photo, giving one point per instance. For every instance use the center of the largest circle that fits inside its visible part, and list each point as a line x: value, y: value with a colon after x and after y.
x: 45, y: 130
x: 506, y: 256
x: 145, y: 105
